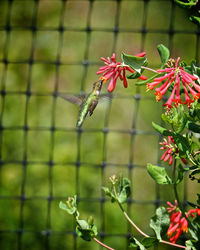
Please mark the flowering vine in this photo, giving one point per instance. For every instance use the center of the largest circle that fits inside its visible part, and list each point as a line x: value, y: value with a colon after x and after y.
x: 171, y: 150
x: 180, y: 83
x: 178, y: 221
x: 176, y: 77
x: 116, y: 70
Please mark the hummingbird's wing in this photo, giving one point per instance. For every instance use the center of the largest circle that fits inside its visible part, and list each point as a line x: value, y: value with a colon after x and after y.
x: 105, y: 97
x: 73, y: 99
x: 92, y: 107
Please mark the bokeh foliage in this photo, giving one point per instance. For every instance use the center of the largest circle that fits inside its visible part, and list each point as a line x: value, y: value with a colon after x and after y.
x: 54, y: 45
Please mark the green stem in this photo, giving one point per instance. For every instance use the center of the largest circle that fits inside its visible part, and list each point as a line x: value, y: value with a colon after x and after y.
x: 174, y: 184
x: 143, y: 67
x: 102, y: 244
x: 174, y: 170
x: 132, y: 223
x: 172, y: 244
x: 190, y: 158
x: 176, y: 195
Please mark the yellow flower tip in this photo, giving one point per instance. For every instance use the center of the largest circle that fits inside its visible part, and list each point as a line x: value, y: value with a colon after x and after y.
x: 103, y: 78
x: 158, y: 96
x: 147, y: 88
x: 169, y: 233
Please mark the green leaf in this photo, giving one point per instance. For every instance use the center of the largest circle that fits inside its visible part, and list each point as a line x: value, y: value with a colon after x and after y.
x: 177, y: 117
x: 195, y: 70
x: 84, y: 234
x: 160, y: 222
x: 134, y: 76
x: 134, y: 62
x: 164, y: 54
x: 149, y: 241
x: 124, y: 190
x: 85, y: 231
x: 189, y: 4
x: 161, y: 130
x: 182, y: 144
x: 63, y: 206
x: 94, y: 231
x: 192, y: 245
x: 159, y: 174
x: 148, y: 80
x: 110, y: 194
x: 198, y: 113
x: 90, y: 221
x: 195, y: 19
x: 198, y: 200
x: 135, y: 243
x: 83, y: 224
x: 181, y: 124
x: 192, y: 204
x: 181, y: 172
x: 194, y: 228
x: 197, y: 171
x: 193, y: 127
x: 120, y: 190
x: 70, y: 205
x: 107, y: 191
x: 180, y: 141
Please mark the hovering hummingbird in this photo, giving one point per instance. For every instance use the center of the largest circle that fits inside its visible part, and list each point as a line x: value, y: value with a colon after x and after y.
x: 87, y: 104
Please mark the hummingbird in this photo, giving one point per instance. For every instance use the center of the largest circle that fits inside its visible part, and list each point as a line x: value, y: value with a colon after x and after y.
x: 87, y: 104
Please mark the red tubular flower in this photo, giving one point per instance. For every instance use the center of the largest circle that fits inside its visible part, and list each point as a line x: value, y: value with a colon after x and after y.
x: 170, y: 148
x: 172, y: 207
x: 179, y: 223
x: 175, y: 76
x: 192, y: 212
x: 114, y: 70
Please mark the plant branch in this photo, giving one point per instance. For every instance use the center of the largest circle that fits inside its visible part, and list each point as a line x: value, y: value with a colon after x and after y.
x: 102, y: 244
x: 174, y: 184
x: 190, y: 158
x: 132, y: 223
x: 144, y: 234
x: 174, y: 170
x: 196, y: 153
x: 172, y: 244
x: 143, y: 67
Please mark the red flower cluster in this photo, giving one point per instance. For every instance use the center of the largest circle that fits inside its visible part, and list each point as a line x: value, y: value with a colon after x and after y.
x: 175, y: 75
x: 114, y: 70
x: 179, y: 223
x: 171, y: 149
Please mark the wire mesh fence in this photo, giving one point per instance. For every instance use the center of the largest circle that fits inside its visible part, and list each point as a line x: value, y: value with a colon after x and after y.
x: 53, y: 46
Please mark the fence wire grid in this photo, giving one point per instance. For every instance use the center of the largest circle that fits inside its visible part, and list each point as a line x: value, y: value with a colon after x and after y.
x: 54, y: 46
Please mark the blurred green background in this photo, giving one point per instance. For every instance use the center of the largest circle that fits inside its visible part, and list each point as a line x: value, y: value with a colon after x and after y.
x: 50, y: 46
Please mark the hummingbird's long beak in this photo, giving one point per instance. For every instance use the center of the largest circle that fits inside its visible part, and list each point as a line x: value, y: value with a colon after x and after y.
x: 103, y: 79
x: 100, y: 85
